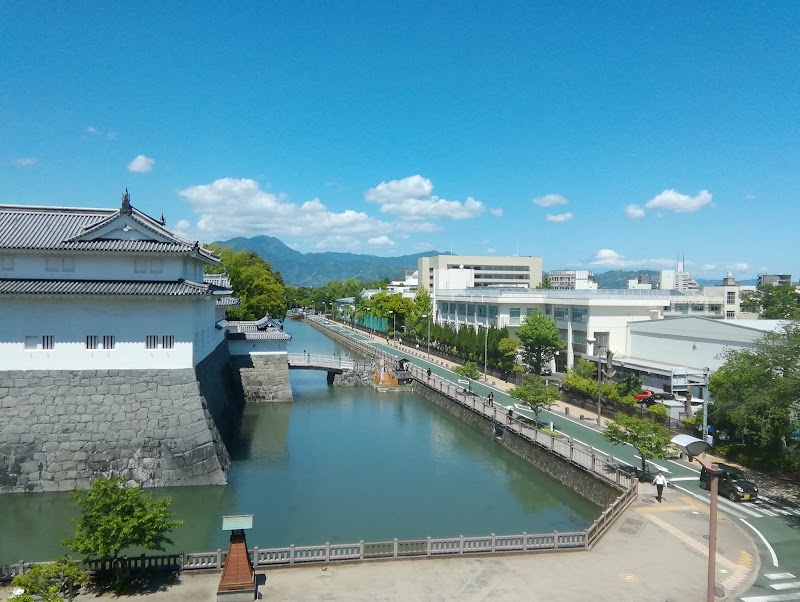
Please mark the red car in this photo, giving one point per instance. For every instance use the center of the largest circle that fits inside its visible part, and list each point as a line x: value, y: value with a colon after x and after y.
x: 643, y: 396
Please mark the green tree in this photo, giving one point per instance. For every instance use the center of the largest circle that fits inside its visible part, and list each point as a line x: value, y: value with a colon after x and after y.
x: 422, y: 306
x: 540, y: 340
x: 260, y: 289
x: 468, y: 370
x: 773, y: 302
x: 535, y: 394
x: 586, y: 369
x: 757, y: 391
x: 648, y: 438
x: 507, y: 353
x: 545, y: 282
x: 115, y: 517
x: 48, y: 581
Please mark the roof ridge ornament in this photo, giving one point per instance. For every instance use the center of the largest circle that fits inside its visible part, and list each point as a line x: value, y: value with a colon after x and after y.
x: 126, y: 203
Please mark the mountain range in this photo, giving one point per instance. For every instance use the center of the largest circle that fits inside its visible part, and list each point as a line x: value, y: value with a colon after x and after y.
x: 317, y: 269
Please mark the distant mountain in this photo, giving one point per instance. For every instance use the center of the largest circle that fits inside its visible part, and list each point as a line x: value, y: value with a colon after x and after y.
x: 619, y: 279
x: 317, y: 269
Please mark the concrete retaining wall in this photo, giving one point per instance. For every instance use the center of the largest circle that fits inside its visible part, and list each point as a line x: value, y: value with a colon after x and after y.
x: 63, y: 428
x: 263, y: 377
x: 574, y: 477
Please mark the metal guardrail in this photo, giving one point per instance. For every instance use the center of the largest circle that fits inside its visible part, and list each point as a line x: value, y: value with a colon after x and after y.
x: 334, y: 362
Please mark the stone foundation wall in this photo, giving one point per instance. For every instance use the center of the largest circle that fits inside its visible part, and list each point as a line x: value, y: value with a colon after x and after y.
x: 263, y: 378
x: 574, y: 477
x: 354, y: 378
x: 59, y: 429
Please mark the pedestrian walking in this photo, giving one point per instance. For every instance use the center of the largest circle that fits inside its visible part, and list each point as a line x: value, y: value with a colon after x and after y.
x: 660, y: 481
x: 491, y: 398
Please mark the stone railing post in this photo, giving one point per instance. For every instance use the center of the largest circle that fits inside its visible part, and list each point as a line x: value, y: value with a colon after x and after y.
x: 361, y: 549
x: 327, y: 551
x: 428, y: 547
x: 524, y: 541
x: 255, y: 556
x: 555, y: 540
x: 291, y: 554
x: 394, y: 548
x: 218, y: 565
x: 494, y: 541
x: 571, y: 449
x: 593, y: 464
x: 460, y: 544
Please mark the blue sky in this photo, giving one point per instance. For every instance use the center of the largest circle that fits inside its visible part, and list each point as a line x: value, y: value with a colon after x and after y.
x: 595, y: 135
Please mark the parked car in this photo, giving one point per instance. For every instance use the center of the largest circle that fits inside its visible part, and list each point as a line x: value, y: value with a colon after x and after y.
x: 733, y: 483
x: 546, y: 372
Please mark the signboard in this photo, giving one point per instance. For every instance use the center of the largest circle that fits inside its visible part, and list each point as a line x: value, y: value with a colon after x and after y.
x: 680, y: 381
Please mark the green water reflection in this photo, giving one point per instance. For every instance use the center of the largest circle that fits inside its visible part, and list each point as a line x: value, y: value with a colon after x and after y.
x: 338, y: 465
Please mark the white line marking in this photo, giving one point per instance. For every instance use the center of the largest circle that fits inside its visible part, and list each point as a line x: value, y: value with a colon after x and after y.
x: 775, y: 598
x: 708, y: 501
x: 740, y: 507
x: 763, y: 508
x: 661, y: 468
x: 623, y: 461
x: 769, y: 547
x: 682, y: 479
x: 779, y: 576
x: 788, y: 585
x: 684, y: 466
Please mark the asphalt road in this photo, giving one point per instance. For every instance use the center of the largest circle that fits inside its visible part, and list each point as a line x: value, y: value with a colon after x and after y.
x: 774, y: 524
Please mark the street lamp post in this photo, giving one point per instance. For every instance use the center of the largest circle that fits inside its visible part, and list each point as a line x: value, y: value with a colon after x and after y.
x: 693, y: 447
x: 596, y: 352
x: 394, y: 323
x: 485, y: 353
x: 427, y: 317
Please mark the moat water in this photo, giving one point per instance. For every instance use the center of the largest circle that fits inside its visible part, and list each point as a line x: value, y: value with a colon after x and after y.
x: 338, y: 465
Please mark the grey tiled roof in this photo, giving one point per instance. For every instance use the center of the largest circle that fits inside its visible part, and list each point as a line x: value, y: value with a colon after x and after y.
x: 100, y: 287
x: 61, y: 229
x: 229, y: 301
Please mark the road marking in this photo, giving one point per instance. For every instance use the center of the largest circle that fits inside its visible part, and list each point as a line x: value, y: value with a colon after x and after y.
x: 683, y: 479
x: 775, y: 598
x: 769, y: 547
x: 773, y: 576
x: 661, y: 468
x: 740, y: 507
x: 764, y: 508
x: 788, y: 585
x: 623, y: 461
x: 684, y: 466
x: 708, y: 501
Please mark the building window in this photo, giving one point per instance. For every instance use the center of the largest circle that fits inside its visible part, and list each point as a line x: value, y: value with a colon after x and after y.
x: 714, y: 309
x: 38, y: 343
x: 168, y: 341
x: 7, y: 264
x: 696, y: 307
x: 51, y: 264
x: 462, y: 309
x: 578, y: 337
x: 601, y: 339
x: 108, y: 341
x: 91, y: 342
x: 492, y: 312
x: 470, y: 311
x: 445, y: 308
x: 730, y: 297
x: 561, y: 313
x: 481, y: 311
x: 730, y: 314
x: 562, y: 334
x: 68, y: 264
x: 579, y: 315
x: 151, y: 341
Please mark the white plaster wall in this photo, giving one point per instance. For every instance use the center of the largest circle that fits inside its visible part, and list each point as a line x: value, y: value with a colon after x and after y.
x: 91, y: 266
x: 129, y: 320
x: 256, y: 347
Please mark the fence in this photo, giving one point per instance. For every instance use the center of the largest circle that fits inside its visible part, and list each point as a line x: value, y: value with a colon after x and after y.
x: 564, y: 447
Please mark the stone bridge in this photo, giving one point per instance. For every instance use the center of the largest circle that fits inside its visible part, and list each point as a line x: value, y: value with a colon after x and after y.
x: 332, y: 364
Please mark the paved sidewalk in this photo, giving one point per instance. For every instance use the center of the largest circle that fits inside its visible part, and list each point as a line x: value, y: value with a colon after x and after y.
x: 654, y: 552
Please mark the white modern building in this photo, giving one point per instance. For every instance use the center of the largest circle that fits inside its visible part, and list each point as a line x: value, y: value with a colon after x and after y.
x: 572, y: 280
x: 486, y: 271
x: 102, y: 289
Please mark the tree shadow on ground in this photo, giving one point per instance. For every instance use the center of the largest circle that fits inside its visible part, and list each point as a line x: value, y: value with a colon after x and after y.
x: 135, y: 582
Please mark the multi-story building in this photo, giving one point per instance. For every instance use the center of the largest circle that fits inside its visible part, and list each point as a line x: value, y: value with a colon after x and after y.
x: 572, y: 280
x: 777, y: 279
x: 484, y: 271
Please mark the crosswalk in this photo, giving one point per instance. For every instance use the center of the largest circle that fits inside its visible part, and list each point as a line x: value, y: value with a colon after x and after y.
x: 763, y: 507
x: 785, y: 583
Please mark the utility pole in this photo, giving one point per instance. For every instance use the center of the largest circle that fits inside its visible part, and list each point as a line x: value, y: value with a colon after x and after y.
x: 485, y: 349
x: 608, y: 373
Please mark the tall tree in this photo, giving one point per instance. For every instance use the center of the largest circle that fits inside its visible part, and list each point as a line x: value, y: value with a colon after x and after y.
x: 422, y: 306
x: 115, y: 517
x: 757, y: 391
x: 648, y: 438
x: 253, y: 281
x: 507, y: 353
x: 535, y: 394
x: 773, y: 302
x: 540, y: 339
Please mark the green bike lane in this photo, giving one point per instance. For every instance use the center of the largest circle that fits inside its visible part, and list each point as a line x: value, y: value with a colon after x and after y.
x: 772, y: 524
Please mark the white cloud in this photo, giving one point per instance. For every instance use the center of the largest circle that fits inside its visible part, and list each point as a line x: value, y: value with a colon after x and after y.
x: 25, y: 161
x: 411, y: 198
x: 709, y: 266
x: 491, y: 251
x: 381, y: 241
x: 238, y: 207
x: 559, y: 217
x: 549, y: 200
x: 423, y: 246
x: 111, y: 135
x: 93, y: 130
x: 750, y: 197
x: 611, y: 259
x: 141, y: 164
x: 338, y: 242
x: 739, y: 266
x: 183, y: 225
x: 672, y: 200
x: 634, y: 211
x: 498, y: 212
